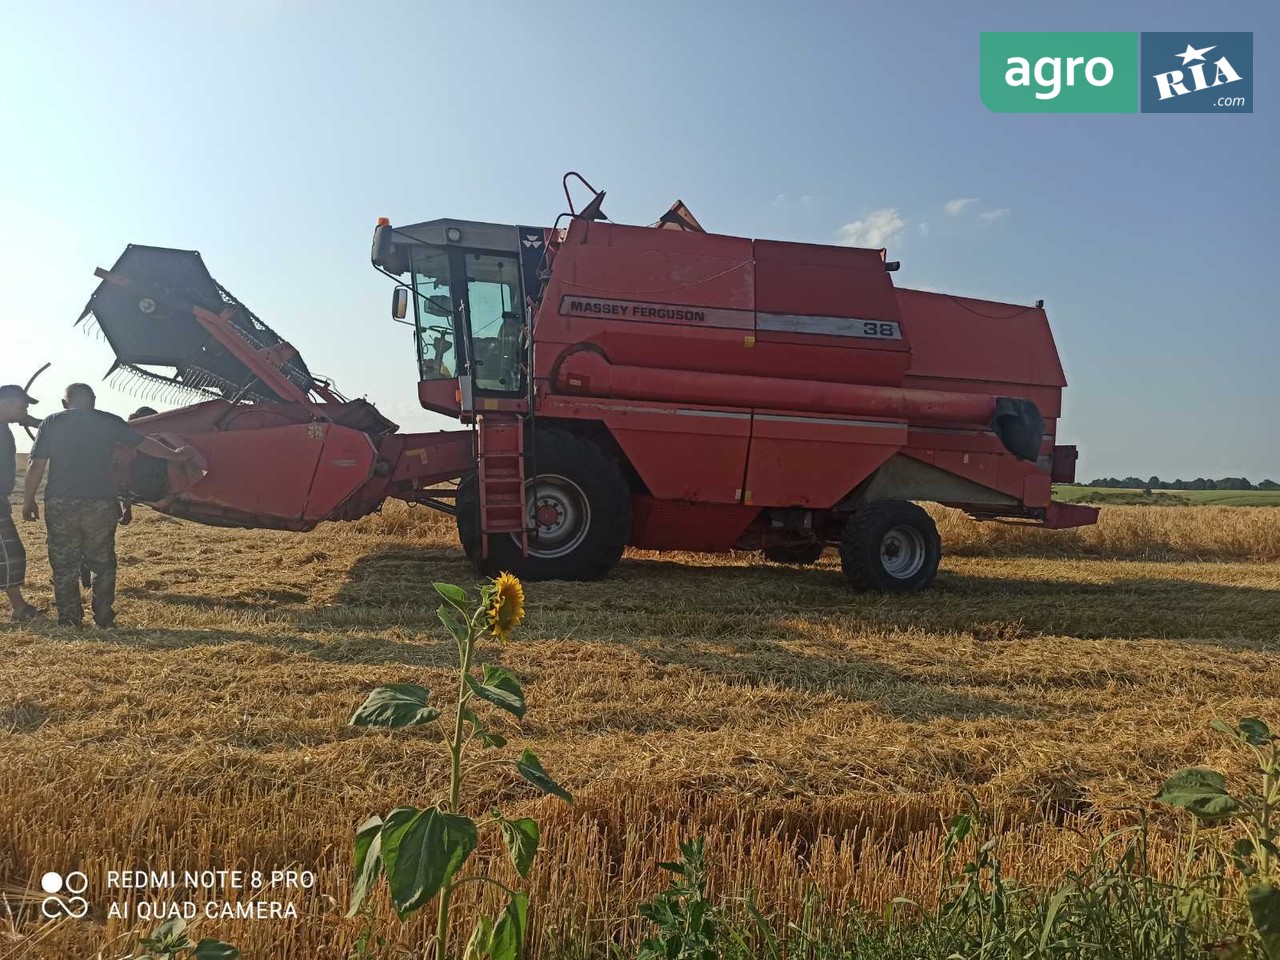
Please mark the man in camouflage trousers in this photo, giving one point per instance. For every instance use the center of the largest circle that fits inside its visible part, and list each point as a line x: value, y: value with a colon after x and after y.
x: 82, y: 510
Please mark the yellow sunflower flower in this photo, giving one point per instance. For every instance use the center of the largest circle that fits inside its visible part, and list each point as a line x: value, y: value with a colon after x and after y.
x: 506, y: 608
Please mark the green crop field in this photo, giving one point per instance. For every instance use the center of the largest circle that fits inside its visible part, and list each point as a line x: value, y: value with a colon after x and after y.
x: 1115, y: 495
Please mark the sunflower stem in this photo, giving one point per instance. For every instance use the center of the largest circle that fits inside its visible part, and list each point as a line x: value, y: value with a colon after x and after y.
x: 455, y: 774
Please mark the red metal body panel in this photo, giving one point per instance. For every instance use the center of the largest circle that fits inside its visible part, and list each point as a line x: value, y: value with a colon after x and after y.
x: 805, y: 461
x: 697, y: 527
x: 1061, y: 516
x: 589, y: 373
x: 804, y: 281
x: 272, y: 472
x: 606, y: 260
x: 958, y: 338
x: 289, y: 466
x: 440, y: 396
x: 1064, y: 464
x: 818, y: 280
x: 682, y: 451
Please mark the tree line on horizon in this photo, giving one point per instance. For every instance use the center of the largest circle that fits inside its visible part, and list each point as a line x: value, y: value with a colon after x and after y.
x: 1200, y: 483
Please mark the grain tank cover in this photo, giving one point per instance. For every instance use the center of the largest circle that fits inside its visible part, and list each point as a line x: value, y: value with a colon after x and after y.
x: 149, y: 324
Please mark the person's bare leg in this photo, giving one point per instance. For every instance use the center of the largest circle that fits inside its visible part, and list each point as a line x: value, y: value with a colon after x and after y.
x: 16, y: 600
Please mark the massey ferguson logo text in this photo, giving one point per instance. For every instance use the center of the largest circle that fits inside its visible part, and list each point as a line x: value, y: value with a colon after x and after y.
x: 1117, y: 72
x: 645, y: 312
x: 634, y: 311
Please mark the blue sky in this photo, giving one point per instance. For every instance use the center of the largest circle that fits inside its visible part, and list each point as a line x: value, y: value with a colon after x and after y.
x: 270, y: 135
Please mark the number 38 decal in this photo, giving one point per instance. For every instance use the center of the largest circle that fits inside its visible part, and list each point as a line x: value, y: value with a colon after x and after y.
x: 883, y: 329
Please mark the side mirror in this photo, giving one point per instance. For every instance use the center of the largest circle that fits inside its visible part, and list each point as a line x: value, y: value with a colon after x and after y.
x: 399, y: 303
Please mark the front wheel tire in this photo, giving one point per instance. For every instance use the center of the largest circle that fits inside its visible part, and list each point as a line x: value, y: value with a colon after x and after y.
x: 579, y: 513
x: 892, y: 546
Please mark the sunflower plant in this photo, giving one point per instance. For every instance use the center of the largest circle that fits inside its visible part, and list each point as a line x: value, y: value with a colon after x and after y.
x: 1253, y: 811
x: 422, y: 851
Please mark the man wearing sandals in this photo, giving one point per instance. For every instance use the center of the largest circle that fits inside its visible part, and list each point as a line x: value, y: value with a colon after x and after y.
x: 13, y: 557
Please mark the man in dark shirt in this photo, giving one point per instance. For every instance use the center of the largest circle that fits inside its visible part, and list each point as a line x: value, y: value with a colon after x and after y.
x: 13, y: 556
x: 77, y: 446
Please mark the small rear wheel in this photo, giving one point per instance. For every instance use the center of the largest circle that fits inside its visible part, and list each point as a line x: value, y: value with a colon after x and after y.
x: 800, y: 554
x: 579, y: 515
x: 892, y: 546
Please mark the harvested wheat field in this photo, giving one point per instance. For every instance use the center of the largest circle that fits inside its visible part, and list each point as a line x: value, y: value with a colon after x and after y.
x: 817, y: 737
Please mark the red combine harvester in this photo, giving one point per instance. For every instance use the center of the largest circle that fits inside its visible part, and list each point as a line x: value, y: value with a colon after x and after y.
x: 659, y: 386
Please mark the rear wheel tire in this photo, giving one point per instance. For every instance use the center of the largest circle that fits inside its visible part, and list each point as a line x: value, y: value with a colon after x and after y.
x: 800, y: 554
x: 892, y: 546
x: 579, y: 509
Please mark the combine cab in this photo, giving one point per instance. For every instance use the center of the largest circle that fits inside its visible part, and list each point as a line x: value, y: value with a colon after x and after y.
x: 654, y: 386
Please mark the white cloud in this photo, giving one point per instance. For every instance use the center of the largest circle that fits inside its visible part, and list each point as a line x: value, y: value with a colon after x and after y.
x: 956, y: 207
x: 878, y: 228
x: 786, y: 200
x: 994, y: 214
x: 924, y: 228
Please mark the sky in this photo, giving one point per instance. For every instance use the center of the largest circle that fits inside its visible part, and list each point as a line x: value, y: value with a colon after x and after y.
x: 271, y: 134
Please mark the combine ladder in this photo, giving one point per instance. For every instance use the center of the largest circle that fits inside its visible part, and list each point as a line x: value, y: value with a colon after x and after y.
x: 500, y: 474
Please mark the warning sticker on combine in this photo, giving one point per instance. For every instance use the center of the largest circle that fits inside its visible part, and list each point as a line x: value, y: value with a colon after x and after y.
x: 645, y: 312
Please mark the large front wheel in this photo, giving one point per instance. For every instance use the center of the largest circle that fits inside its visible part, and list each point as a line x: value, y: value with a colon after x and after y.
x: 579, y: 508
x: 891, y: 546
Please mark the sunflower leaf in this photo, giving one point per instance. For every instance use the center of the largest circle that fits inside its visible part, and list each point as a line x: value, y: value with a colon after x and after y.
x: 482, y: 733
x: 368, y: 848
x: 1202, y: 792
x: 453, y: 623
x: 521, y: 837
x: 480, y: 944
x: 210, y: 949
x: 530, y: 767
x: 1255, y: 732
x: 455, y: 595
x: 500, y: 688
x: 422, y: 849
x: 508, y: 933
x: 1264, y: 905
x: 395, y: 705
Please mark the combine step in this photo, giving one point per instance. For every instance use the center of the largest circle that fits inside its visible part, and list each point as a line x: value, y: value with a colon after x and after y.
x: 500, y: 473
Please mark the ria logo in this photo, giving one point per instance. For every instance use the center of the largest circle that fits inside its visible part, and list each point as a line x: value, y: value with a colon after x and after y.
x: 1197, y: 73
x: 1171, y: 84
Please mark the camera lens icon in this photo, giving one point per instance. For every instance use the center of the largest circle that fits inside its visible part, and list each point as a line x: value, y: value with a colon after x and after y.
x: 64, y: 898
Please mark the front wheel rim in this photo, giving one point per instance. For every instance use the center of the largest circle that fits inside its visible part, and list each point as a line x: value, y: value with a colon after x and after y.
x: 902, y: 552
x: 559, y: 516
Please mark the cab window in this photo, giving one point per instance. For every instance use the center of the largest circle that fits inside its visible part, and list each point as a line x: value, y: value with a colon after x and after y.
x: 434, y: 314
x: 496, y: 316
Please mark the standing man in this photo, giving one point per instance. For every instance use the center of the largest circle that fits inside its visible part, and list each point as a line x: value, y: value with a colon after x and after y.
x: 13, y: 556
x: 81, y: 506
